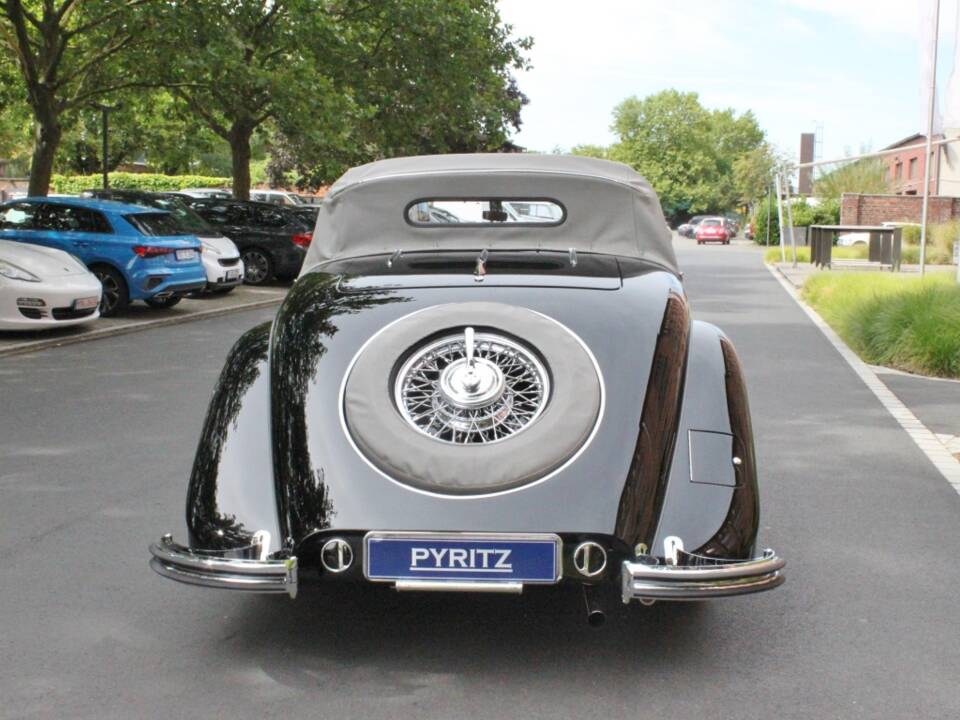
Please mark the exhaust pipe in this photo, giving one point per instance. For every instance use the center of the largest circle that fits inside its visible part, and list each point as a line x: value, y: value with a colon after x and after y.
x: 591, y: 598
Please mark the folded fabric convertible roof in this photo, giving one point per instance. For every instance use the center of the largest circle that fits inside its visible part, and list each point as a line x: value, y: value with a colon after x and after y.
x: 609, y: 208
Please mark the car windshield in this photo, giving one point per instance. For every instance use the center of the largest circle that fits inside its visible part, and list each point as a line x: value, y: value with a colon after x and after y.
x: 159, y: 224
x: 710, y: 222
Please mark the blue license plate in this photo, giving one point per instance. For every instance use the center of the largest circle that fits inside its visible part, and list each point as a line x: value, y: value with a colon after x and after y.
x: 525, y: 558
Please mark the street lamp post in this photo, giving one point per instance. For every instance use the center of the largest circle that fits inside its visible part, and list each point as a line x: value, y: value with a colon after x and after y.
x: 931, y: 107
x: 105, y: 137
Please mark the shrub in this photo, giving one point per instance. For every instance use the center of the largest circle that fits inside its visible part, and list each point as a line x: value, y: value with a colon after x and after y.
x: 768, y: 206
x: 892, y: 319
x: 911, y: 235
x: 75, y: 184
x: 940, y: 239
x: 826, y: 212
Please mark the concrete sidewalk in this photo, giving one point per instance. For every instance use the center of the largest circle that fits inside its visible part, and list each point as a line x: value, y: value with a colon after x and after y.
x: 140, y: 317
x: 935, y: 401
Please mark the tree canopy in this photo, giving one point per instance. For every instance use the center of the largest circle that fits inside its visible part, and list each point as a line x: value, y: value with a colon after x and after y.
x: 859, y: 176
x: 321, y: 85
x: 66, y: 55
x: 688, y: 153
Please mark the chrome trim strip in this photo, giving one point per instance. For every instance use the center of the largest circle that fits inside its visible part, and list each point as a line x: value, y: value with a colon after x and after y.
x: 464, y: 535
x: 212, y: 569
x: 573, y: 458
x: 641, y: 581
x: 513, y: 588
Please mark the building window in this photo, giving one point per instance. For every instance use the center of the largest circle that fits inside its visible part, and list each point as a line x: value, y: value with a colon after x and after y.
x: 912, y: 169
x: 898, y: 170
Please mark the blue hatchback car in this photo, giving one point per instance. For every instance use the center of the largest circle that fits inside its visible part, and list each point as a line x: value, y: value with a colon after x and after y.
x: 137, y: 252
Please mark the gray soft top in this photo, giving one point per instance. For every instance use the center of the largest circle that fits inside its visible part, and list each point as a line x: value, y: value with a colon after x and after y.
x: 609, y: 207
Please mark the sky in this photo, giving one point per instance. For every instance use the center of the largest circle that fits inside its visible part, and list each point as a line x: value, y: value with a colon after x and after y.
x: 852, y: 66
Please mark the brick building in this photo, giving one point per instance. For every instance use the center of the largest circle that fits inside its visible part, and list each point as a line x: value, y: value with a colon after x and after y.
x: 905, y: 169
x: 857, y: 209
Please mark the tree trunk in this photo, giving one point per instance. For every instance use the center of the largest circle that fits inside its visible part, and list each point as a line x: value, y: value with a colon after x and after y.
x: 240, y: 155
x: 47, y: 134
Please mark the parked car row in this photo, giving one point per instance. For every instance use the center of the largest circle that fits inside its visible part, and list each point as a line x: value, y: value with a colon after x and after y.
x: 710, y: 228
x: 133, y: 246
x: 220, y: 257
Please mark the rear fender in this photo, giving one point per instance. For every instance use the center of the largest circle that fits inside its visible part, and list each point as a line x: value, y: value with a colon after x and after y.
x: 231, y: 499
x: 711, y: 498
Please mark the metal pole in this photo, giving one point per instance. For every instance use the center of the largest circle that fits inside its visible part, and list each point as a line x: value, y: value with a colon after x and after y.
x: 769, y: 208
x: 926, y: 159
x: 105, y: 132
x: 783, y: 249
x: 793, y: 242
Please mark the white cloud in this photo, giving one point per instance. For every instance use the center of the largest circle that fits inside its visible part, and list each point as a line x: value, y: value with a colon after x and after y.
x: 879, y: 17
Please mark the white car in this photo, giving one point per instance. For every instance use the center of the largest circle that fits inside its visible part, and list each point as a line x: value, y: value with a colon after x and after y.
x: 283, y: 197
x: 222, y: 262
x: 42, y: 288
x: 216, y: 193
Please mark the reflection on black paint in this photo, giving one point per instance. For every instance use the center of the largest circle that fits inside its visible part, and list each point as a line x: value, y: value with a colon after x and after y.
x: 209, y: 528
x: 738, y: 533
x: 645, y: 487
x: 305, y: 324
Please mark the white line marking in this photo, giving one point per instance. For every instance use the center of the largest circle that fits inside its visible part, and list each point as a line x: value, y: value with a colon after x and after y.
x: 881, y: 370
x: 928, y: 443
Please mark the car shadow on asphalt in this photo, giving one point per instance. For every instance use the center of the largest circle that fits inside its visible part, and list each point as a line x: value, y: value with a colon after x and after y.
x: 400, y: 642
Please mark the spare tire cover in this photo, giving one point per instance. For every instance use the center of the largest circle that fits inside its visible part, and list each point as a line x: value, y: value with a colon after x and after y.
x: 406, y: 455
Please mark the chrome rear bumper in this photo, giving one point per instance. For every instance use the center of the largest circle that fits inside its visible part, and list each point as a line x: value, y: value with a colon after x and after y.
x: 692, y: 578
x: 215, y: 569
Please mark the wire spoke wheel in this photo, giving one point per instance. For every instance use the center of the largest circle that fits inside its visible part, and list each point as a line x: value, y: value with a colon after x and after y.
x: 472, y: 388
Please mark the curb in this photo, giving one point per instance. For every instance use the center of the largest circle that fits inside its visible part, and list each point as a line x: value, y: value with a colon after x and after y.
x: 36, y: 345
x: 924, y: 438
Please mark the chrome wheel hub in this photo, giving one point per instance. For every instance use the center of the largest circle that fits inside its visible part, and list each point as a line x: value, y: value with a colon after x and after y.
x: 472, y: 388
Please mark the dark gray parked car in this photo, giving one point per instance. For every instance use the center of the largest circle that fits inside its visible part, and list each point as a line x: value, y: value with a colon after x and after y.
x: 272, y: 240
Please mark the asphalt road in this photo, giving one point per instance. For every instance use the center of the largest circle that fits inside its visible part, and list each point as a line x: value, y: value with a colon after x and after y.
x: 96, y: 442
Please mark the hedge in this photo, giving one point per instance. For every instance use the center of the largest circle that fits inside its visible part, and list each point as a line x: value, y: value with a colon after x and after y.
x: 75, y: 184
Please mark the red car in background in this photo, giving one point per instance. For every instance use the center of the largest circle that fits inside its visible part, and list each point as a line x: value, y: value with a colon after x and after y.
x: 712, y: 229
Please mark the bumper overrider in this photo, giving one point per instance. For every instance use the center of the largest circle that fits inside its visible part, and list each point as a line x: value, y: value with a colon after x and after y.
x: 686, y: 576
x: 246, y: 569
x: 677, y: 576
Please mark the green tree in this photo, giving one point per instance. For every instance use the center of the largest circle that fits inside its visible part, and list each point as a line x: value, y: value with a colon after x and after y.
x: 412, y: 77
x: 248, y: 60
x: 588, y: 150
x: 753, y: 173
x: 687, y: 152
x: 66, y: 55
x: 859, y: 176
x: 15, y: 119
x: 343, y: 81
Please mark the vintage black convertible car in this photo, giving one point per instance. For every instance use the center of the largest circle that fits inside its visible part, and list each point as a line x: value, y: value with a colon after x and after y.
x: 485, y: 378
